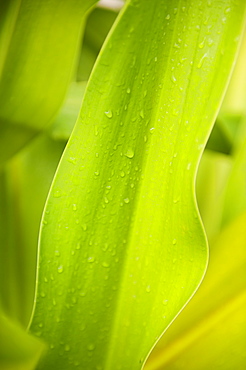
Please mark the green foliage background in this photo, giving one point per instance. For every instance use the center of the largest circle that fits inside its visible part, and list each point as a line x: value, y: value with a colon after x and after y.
x: 121, y: 245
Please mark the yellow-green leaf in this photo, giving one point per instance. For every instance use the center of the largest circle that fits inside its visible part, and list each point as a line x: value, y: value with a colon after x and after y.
x: 40, y: 43
x: 122, y: 248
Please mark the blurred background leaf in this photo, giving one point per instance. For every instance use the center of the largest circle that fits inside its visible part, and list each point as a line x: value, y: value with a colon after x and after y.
x: 40, y: 49
x: 18, y: 350
x: 122, y: 248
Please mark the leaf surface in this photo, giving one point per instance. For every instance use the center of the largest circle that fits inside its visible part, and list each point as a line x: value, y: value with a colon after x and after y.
x: 210, y: 333
x: 122, y: 248
x: 39, y: 53
x: 18, y: 350
x: 24, y: 186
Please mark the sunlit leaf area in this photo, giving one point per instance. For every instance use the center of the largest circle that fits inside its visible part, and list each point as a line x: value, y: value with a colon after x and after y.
x: 122, y: 185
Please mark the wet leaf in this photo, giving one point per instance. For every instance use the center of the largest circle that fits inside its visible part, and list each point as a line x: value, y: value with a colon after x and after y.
x: 122, y: 248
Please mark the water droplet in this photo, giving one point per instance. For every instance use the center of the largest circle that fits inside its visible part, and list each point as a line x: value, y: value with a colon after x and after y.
x: 60, y: 269
x: 122, y: 174
x: 201, y: 60
x: 78, y: 246
x: 109, y: 114
x: 91, y: 259
x: 141, y: 113
x: 105, y: 264
x: 97, y: 173
x: 173, y: 79
x: 174, y: 241
x: 91, y: 347
x: 152, y: 130
x: 74, y: 207
x: 106, y: 200
x: 57, y: 194
x: 84, y: 227
x: 129, y: 153
x: 165, y: 302
x: 201, y: 45
x: 57, y: 253
x: 67, y: 348
x: 168, y: 16
x: 96, y: 130
x: 42, y: 294
x: 82, y: 294
x: 148, y: 288
x: 188, y: 166
x: 128, y: 90
x: 126, y: 200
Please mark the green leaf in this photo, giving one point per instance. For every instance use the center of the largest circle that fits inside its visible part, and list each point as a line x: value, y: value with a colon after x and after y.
x: 235, y: 99
x: 122, y: 248
x: 39, y: 53
x: 64, y: 123
x: 18, y: 350
x: 97, y: 27
x: 214, y: 171
x: 210, y: 333
x: 235, y: 193
x: 24, y: 185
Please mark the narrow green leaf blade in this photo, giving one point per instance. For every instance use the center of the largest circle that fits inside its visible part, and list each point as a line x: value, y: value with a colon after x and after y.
x: 122, y: 248
x: 210, y: 333
x: 24, y: 186
x: 40, y: 52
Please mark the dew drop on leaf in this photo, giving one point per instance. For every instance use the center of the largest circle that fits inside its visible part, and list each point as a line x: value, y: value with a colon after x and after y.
x: 129, y: 153
x: 91, y: 347
x: 201, y: 45
x: 72, y: 160
x: 57, y: 194
x: 109, y: 114
x: 60, y: 269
